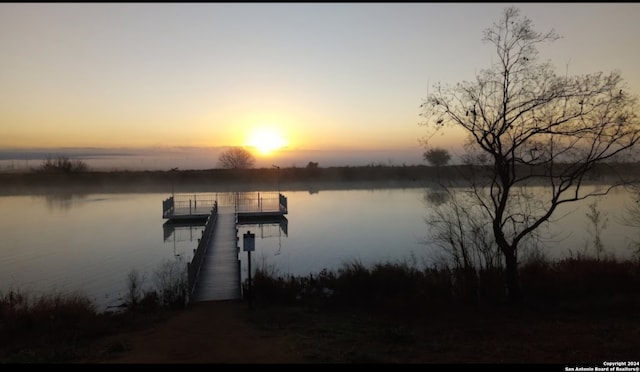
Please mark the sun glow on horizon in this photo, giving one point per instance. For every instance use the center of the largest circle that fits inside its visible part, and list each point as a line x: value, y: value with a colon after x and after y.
x: 266, y: 140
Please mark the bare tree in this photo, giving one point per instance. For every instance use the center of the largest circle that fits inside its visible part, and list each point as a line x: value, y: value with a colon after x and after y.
x: 536, y: 127
x: 236, y: 158
x: 437, y: 156
x: 63, y: 164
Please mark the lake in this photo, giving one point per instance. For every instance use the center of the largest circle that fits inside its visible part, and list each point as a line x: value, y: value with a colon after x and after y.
x: 91, y: 242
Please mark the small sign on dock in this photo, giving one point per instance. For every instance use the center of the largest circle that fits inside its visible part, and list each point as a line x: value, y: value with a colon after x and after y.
x: 249, y: 242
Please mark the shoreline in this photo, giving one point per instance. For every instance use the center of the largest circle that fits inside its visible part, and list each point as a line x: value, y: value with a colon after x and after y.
x: 216, y: 180
x: 258, y: 179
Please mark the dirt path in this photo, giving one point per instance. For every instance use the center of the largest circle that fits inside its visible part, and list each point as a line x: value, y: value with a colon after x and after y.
x: 230, y: 333
x: 208, y: 332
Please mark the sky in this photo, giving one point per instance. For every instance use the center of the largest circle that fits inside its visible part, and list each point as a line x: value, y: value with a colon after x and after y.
x: 337, y: 83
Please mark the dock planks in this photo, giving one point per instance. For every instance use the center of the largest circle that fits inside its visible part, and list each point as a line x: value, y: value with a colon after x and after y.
x: 219, y: 277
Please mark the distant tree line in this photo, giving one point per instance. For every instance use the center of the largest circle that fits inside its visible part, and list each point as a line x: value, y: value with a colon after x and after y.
x: 63, y: 164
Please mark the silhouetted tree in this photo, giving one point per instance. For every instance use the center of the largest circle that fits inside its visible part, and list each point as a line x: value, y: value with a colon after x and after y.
x: 535, y: 126
x: 437, y: 156
x: 236, y: 158
x: 63, y: 164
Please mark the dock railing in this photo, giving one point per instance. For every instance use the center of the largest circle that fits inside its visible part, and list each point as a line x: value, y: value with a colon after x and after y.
x: 260, y: 202
x: 167, y: 207
x: 188, y: 205
x: 185, y: 206
x: 283, y: 204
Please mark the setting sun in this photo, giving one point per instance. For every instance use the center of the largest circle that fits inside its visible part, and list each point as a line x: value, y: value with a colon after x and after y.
x: 266, y: 141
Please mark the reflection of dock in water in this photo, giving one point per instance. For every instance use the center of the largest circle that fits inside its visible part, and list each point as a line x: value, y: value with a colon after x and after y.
x: 214, y: 271
x: 183, y: 230
x: 266, y: 227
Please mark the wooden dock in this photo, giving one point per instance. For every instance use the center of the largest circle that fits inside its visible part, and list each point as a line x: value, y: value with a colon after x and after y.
x: 219, y: 277
x: 214, y: 272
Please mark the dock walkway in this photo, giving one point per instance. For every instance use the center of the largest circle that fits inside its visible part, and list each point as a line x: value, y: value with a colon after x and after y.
x: 219, y: 277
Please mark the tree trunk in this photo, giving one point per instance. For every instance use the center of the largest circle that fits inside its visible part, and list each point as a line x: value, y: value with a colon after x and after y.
x: 513, y: 288
x: 509, y: 251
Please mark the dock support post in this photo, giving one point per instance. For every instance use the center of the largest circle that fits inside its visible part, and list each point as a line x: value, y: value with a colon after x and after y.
x: 249, y: 245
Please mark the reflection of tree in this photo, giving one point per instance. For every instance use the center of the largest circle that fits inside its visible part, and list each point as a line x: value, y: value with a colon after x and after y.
x: 61, y: 201
x: 461, y: 230
x: 436, y: 196
x: 437, y: 157
x: 631, y: 216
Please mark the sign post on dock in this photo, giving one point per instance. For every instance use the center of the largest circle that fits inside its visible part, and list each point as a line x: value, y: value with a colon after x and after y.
x: 249, y: 246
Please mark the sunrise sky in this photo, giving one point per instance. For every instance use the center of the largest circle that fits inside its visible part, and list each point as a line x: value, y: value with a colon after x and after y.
x: 325, y: 77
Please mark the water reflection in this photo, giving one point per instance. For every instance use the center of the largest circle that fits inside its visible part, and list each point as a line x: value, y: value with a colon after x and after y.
x: 436, y: 196
x: 89, y: 245
x: 267, y: 227
x: 182, y: 231
x: 61, y: 200
x: 336, y: 227
x: 570, y: 230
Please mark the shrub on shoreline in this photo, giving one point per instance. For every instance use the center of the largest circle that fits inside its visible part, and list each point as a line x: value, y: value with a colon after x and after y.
x: 393, y: 286
x: 53, y: 327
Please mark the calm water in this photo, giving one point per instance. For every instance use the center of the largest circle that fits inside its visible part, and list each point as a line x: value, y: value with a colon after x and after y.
x: 90, y: 243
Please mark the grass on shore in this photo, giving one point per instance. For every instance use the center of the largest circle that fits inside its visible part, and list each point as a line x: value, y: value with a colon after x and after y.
x: 385, y: 313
